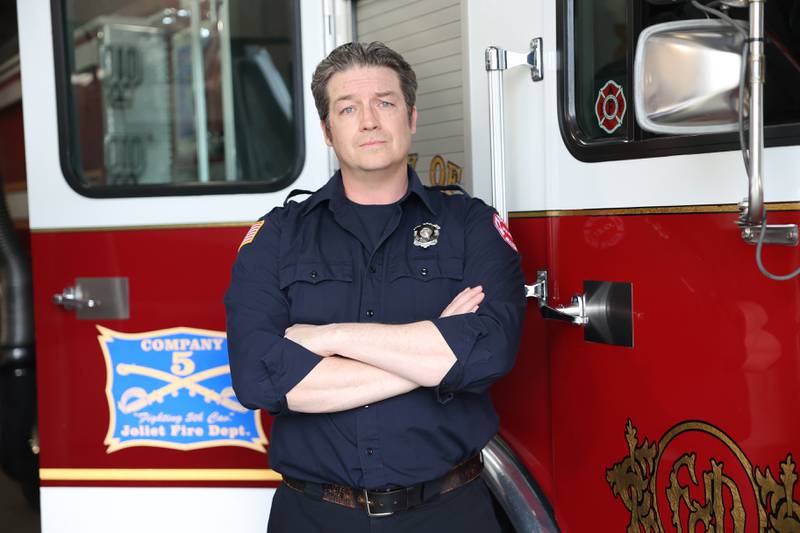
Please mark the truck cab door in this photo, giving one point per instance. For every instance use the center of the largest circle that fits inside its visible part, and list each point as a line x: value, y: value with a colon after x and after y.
x: 156, y: 134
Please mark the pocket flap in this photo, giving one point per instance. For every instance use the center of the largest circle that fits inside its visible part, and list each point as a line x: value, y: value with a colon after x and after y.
x: 426, y: 269
x: 315, y: 272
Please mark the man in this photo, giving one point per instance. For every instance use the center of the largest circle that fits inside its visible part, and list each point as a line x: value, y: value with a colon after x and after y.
x: 371, y: 319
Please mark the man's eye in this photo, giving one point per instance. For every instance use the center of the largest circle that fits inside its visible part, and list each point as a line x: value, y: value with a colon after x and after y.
x: 385, y: 103
x: 347, y: 110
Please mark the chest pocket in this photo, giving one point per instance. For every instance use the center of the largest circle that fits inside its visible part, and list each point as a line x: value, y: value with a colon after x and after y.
x: 423, y: 286
x: 318, y: 293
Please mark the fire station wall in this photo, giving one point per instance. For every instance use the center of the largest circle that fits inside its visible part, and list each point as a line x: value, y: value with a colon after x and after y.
x: 428, y: 35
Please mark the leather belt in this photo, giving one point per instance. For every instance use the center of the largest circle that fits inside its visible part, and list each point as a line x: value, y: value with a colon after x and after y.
x: 387, y: 502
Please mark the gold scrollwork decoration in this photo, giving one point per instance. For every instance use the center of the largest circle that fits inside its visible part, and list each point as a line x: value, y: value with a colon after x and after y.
x: 633, y: 480
x: 630, y: 482
x: 783, y: 511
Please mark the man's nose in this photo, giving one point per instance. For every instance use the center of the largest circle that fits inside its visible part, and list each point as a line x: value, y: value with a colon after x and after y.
x: 369, y: 120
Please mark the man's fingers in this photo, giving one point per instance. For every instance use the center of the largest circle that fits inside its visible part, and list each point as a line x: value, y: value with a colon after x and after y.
x: 465, y: 302
x: 472, y: 302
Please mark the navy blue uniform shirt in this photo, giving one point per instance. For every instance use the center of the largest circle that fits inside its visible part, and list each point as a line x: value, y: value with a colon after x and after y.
x: 313, y: 263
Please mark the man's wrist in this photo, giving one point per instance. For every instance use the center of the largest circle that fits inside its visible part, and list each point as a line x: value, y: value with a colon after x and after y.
x: 335, y: 337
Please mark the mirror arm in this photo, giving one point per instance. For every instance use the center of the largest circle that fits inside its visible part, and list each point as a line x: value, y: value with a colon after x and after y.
x: 753, y: 212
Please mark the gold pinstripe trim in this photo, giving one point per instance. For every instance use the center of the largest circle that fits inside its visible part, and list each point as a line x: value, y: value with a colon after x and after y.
x: 152, y: 227
x: 158, y: 474
x: 669, y: 210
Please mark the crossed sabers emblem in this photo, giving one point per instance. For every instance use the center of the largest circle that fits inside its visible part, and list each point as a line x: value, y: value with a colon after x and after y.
x: 136, y: 398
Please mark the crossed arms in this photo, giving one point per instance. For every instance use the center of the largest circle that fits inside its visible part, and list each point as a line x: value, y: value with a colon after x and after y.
x: 335, y: 367
x: 366, y: 363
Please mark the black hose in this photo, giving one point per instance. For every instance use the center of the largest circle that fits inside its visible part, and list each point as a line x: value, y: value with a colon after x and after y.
x: 16, y: 297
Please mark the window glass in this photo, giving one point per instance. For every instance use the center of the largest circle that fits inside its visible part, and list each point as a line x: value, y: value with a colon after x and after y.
x: 601, y: 45
x: 8, y: 31
x: 182, y: 92
x: 601, y: 68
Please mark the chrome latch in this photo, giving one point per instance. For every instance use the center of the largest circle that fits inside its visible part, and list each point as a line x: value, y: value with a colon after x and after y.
x: 575, y: 313
x: 72, y: 299
x: 96, y: 298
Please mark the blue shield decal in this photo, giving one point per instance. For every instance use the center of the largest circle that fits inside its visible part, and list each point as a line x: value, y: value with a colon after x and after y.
x: 171, y: 388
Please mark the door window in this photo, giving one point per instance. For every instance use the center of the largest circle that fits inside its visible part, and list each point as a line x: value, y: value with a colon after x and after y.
x: 180, y: 96
x: 596, y: 78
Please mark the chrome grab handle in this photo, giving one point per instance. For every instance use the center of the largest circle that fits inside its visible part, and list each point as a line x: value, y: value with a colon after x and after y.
x: 575, y: 313
x: 498, y: 60
x: 72, y: 299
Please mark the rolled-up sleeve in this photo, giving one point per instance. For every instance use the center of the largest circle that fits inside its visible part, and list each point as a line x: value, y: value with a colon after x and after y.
x: 265, y: 366
x: 485, y: 343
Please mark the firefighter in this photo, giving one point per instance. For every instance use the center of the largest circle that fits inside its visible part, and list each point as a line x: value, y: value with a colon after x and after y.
x: 371, y: 320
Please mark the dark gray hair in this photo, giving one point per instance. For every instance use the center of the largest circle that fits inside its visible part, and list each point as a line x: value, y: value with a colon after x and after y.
x: 349, y: 55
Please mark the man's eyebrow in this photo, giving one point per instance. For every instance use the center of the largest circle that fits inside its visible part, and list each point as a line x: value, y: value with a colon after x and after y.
x: 382, y: 94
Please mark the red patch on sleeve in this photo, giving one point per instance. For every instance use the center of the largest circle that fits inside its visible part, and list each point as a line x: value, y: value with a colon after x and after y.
x: 504, y: 232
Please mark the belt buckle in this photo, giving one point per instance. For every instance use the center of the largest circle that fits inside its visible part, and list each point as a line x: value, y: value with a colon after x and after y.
x: 369, y: 511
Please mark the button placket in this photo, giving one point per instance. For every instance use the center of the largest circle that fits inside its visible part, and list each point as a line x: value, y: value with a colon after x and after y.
x: 368, y: 443
x: 371, y: 288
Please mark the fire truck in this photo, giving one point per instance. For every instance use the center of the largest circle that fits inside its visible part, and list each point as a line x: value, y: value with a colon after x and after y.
x: 645, y: 154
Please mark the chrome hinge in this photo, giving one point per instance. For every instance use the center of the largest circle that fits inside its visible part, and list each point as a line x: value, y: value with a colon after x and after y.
x: 539, y: 289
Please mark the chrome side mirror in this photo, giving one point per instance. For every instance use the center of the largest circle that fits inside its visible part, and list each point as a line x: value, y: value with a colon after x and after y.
x: 687, y: 79
x: 687, y: 76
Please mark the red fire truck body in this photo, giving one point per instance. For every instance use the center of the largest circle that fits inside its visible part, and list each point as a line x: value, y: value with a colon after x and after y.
x: 690, y: 419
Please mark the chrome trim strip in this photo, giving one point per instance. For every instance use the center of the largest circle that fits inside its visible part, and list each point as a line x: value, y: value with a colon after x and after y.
x: 526, y: 510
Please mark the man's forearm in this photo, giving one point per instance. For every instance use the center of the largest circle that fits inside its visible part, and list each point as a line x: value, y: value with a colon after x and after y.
x: 337, y: 384
x: 415, y: 351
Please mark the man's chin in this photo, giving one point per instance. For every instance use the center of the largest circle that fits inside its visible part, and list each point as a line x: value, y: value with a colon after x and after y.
x: 379, y: 166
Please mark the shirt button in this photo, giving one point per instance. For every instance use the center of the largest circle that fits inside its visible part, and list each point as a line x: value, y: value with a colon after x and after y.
x: 370, y: 313
x: 313, y: 274
x: 370, y: 451
x: 423, y: 271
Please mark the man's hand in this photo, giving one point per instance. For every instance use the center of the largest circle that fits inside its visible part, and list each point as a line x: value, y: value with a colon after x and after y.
x: 466, y: 301
x: 313, y: 338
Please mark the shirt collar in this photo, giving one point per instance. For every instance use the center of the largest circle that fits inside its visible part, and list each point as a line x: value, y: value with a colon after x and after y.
x: 333, y: 192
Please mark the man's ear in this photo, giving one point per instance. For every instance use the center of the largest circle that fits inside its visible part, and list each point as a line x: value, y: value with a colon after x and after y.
x: 413, y: 120
x: 328, y: 140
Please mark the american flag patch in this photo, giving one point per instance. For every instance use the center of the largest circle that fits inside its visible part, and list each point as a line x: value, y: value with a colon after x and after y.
x: 251, y: 233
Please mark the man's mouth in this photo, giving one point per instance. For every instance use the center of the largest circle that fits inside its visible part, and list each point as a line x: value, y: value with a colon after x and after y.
x: 373, y: 142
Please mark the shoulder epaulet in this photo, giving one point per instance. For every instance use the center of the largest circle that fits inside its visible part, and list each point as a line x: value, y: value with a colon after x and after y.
x: 296, y: 192
x: 444, y: 188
